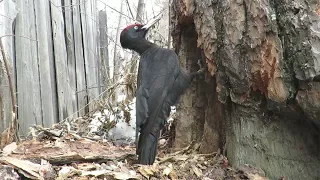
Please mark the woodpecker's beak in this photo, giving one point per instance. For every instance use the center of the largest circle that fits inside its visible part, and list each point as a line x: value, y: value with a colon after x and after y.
x: 152, y: 22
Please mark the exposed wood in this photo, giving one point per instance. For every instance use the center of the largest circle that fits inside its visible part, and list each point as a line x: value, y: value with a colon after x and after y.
x: 46, y: 63
x: 30, y: 168
x: 191, y: 109
x: 28, y: 84
x: 67, y: 152
x: 263, y: 98
x: 61, y: 64
x: 82, y: 98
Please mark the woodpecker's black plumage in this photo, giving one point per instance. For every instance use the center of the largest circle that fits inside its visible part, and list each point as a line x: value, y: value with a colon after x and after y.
x: 161, y: 81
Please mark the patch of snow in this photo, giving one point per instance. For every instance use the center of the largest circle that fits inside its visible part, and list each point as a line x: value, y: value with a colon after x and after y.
x: 124, y: 131
x: 121, y: 97
x: 96, y: 122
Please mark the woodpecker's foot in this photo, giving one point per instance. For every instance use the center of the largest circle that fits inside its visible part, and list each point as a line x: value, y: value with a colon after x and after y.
x: 202, y: 69
x: 199, y: 72
x: 199, y: 63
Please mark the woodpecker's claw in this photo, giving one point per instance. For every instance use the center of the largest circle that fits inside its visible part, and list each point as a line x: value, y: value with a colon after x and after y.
x: 201, y: 70
x: 199, y: 63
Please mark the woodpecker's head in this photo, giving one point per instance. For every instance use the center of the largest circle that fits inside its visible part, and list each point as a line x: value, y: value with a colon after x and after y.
x: 133, y: 35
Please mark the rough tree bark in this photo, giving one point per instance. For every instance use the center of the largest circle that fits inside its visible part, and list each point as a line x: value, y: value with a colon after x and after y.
x: 261, y: 97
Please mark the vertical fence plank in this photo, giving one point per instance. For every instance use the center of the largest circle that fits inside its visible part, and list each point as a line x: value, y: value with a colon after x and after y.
x: 46, y: 63
x: 80, y: 66
x: 70, y: 52
x: 103, y: 48
x: 87, y: 22
x: 28, y: 89
x: 7, y: 8
x: 60, y: 58
x: 95, y: 45
x: 57, y: 74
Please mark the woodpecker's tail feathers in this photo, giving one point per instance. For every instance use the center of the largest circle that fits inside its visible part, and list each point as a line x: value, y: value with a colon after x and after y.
x: 147, y: 149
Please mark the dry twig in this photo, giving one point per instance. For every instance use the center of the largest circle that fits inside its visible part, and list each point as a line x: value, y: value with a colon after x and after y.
x: 12, y: 130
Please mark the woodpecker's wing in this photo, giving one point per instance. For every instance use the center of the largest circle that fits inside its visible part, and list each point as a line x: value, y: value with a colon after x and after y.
x: 158, y: 70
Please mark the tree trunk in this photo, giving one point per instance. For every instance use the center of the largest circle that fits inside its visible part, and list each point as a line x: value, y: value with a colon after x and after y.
x: 116, y: 60
x: 135, y: 57
x: 169, y: 26
x: 261, y: 98
x: 140, y: 11
x: 130, y: 90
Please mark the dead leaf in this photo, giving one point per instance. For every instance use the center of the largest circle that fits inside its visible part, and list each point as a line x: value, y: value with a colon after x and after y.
x: 256, y: 177
x: 66, y: 172
x: 122, y: 175
x: 167, y: 170
x: 147, y: 171
x: 318, y: 11
x: 173, y: 175
x: 96, y: 173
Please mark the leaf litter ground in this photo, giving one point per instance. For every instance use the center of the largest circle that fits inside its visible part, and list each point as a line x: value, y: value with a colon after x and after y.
x: 68, y: 151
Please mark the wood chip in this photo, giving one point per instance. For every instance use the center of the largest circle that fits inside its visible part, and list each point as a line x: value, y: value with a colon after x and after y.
x: 197, y: 171
x: 9, y: 149
x: 30, y: 168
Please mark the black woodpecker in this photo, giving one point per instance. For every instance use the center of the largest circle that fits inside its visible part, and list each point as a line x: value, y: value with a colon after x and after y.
x: 160, y: 83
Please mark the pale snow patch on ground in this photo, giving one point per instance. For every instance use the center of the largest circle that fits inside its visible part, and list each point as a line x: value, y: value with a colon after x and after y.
x: 123, y: 132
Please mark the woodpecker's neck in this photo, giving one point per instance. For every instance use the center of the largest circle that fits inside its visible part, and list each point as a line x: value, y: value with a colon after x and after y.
x: 142, y: 46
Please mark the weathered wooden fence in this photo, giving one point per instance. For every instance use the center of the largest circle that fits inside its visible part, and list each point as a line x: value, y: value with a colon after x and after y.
x: 53, y: 50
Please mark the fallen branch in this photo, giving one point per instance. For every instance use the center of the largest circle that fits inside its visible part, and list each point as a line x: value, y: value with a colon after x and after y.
x: 75, y: 157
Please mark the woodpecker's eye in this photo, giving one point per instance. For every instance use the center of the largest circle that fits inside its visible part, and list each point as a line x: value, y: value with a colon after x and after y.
x: 136, y: 27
